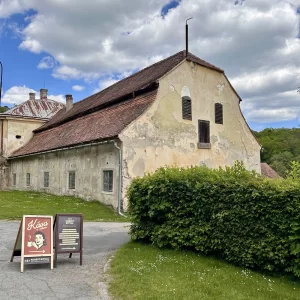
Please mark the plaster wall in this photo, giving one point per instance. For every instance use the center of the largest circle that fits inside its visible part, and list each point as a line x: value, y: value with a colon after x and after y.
x: 161, y: 137
x: 88, y: 163
x: 18, y: 127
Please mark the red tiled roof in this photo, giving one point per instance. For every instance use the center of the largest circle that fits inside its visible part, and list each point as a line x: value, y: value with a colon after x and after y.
x: 267, y: 171
x: 105, y: 123
x: 42, y: 109
x: 126, y: 86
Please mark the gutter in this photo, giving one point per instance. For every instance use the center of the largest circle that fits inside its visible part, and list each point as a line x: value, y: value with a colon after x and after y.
x: 2, y: 137
x: 61, y: 149
x: 120, y: 180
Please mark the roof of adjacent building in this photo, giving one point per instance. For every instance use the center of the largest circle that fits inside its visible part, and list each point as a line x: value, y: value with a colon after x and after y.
x: 267, y: 171
x: 35, y: 108
x: 103, y: 124
x: 126, y: 86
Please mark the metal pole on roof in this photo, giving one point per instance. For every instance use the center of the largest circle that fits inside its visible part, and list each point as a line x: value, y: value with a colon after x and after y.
x: 1, y: 81
x: 187, y: 36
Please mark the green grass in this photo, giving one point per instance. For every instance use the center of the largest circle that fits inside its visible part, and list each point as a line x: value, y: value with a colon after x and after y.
x: 143, y: 272
x: 15, y: 204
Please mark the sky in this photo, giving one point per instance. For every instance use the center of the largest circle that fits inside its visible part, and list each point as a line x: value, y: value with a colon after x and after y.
x: 81, y: 47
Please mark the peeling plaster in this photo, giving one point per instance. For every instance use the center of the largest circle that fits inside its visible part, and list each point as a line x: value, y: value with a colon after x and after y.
x: 161, y: 137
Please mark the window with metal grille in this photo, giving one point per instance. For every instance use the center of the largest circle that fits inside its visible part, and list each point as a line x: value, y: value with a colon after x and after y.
x: 186, y: 108
x: 14, y: 179
x: 218, y: 113
x: 108, y: 181
x: 46, y: 179
x: 72, y: 180
x: 27, y: 179
x: 204, y: 134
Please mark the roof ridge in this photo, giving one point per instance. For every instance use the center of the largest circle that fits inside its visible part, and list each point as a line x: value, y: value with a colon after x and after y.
x: 125, y: 78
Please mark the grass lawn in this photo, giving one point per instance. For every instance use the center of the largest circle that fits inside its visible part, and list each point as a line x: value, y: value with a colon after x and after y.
x: 143, y: 272
x: 15, y: 204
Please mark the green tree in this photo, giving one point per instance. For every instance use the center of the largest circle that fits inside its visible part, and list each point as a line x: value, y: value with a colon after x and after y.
x: 3, y: 109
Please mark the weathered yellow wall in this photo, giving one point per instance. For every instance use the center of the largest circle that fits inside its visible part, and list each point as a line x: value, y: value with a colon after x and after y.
x: 88, y: 163
x: 22, y: 127
x: 161, y: 137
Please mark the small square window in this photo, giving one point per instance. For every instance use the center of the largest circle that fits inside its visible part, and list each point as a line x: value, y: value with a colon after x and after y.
x: 14, y: 179
x: 72, y: 180
x: 108, y: 181
x: 46, y: 179
x: 27, y: 179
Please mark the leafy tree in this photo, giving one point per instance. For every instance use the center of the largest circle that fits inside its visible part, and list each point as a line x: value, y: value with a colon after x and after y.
x: 3, y: 109
x: 280, y: 147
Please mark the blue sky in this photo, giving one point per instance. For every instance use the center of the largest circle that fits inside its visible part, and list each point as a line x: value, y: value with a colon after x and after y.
x: 83, y: 48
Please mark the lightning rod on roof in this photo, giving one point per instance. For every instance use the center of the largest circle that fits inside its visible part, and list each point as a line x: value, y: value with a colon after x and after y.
x: 187, y: 36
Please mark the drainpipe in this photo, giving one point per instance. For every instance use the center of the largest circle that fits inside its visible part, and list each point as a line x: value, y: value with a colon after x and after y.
x: 2, y: 133
x: 120, y: 180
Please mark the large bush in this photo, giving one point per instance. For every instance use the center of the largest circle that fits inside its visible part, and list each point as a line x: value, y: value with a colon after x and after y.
x: 248, y: 220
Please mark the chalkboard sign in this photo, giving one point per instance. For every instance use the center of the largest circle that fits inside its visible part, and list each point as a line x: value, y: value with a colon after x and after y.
x: 34, y: 241
x: 68, y: 230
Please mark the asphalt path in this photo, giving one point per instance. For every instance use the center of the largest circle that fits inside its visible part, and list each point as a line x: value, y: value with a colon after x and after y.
x: 68, y: 280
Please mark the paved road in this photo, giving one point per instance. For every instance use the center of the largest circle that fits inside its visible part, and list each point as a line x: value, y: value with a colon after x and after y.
x: 69, y: 280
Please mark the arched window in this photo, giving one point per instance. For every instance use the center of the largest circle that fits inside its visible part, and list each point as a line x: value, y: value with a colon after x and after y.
x: 186, y: 103
x: 218, y: 113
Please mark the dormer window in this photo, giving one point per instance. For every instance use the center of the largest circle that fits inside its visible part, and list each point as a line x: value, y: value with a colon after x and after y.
x: 218, y: 113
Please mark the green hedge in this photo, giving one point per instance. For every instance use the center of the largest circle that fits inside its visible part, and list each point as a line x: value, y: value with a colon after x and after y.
x: 238, y: 215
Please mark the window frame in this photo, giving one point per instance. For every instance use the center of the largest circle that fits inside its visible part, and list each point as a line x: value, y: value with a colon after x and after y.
x: 71, y: 181
x: 46, y: 179
x: 14, y: 179
x: 204, y: 137
x: 186, y: 104
x: 28, y: 179
x: 219, y: 113
x: 108, y: 187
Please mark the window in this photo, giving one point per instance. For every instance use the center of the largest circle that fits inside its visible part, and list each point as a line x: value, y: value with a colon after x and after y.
x: 204, y: 134
x: 186, y: 108
x: 218, y: 113
x: 14, y: 179
x: 46, y: 179
x: 108, y: 181
x: 27, y: 179
x: 72, y: 180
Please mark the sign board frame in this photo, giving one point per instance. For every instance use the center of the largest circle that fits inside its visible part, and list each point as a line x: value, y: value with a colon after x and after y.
x: 68, y: 239
x: 18, y: 244
x: 41, y: 249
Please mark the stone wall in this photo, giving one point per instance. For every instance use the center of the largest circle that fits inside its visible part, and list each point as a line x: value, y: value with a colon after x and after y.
x: 4, y: 174
x: 88, y: 163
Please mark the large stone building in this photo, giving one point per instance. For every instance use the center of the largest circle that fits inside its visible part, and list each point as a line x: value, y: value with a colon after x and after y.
x: 17, y: 124
x: 180, y: 111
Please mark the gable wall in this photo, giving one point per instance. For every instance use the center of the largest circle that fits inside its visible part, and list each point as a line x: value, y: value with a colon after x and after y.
x: 87, y: 162
x: 22, y: 127
x: 161, y: 137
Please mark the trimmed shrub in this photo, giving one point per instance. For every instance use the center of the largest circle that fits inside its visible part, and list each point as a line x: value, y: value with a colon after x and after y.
x: 236, y: 214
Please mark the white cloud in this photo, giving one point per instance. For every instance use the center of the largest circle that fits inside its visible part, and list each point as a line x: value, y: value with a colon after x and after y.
x: 78, y: 88
x: 59, y: 98
x: 20, y: 94
x: 46, y: 63
x: 255, y: 42
x: 17, y: 94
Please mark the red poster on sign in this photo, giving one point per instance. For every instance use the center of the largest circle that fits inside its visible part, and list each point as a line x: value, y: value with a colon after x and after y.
x: 37, y: 240
x: 37, y: 235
